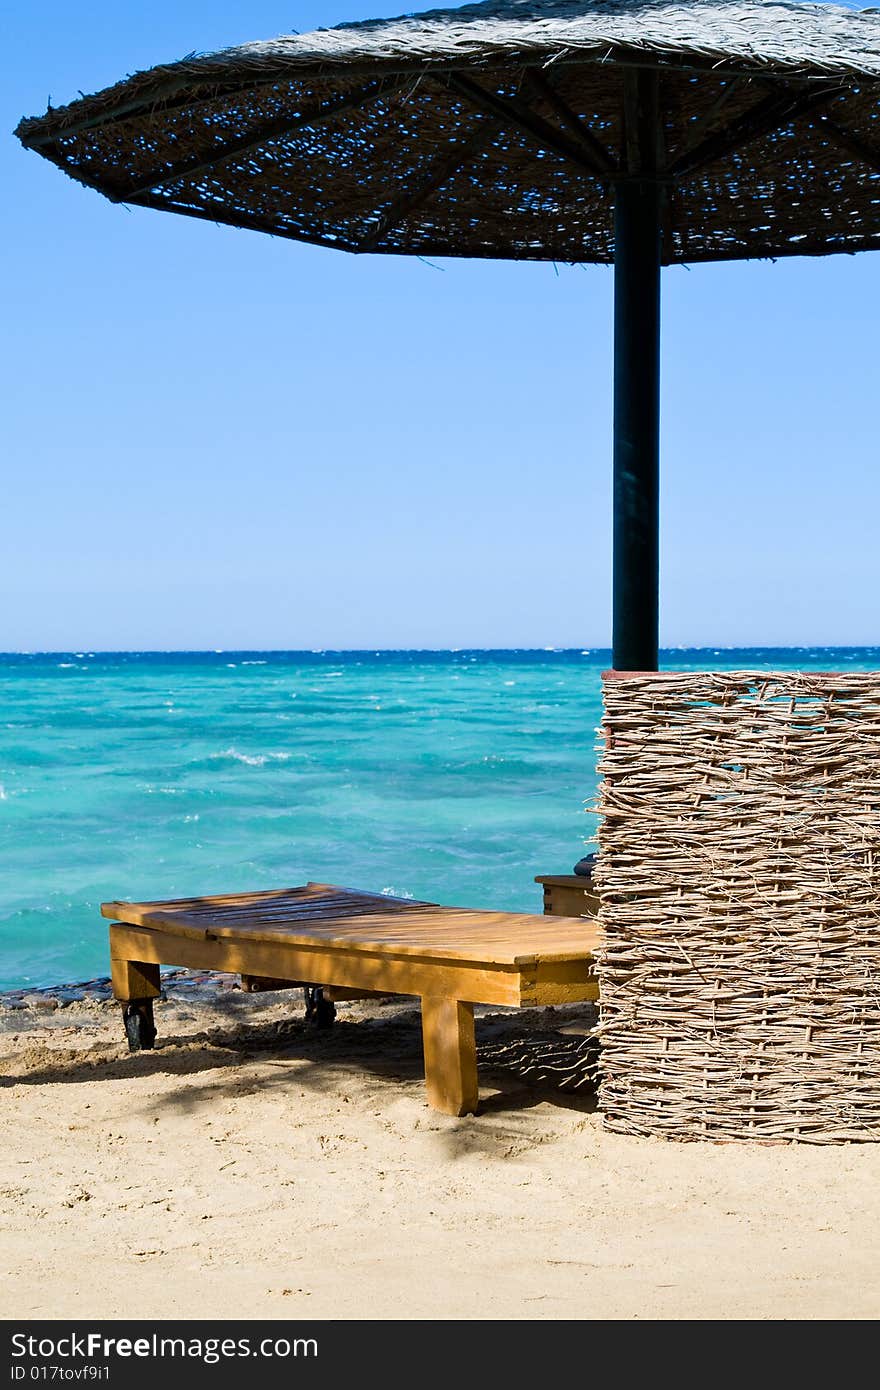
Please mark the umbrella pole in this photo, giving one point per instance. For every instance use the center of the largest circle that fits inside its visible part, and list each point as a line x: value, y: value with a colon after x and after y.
x: 637, y: 242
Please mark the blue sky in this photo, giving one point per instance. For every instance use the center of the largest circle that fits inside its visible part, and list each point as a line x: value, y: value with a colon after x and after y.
x: 216, y: 439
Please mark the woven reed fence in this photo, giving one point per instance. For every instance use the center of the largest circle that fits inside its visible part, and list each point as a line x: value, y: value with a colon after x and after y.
x: 739, y: 879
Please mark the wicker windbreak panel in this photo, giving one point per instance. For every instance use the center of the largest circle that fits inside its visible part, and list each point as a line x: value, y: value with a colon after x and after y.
x: 739, y: 877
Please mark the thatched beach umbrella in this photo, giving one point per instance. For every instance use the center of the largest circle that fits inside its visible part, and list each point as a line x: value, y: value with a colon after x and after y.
x: 638, y: 132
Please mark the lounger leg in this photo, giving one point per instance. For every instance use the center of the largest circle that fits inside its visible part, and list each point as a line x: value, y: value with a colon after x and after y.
x: 450, y: 1054
x: 320, y: 1012
x: 136, y: 985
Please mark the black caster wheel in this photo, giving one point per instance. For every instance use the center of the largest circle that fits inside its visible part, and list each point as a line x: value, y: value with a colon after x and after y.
x: 139, y: 1026
x: 320, y: 1013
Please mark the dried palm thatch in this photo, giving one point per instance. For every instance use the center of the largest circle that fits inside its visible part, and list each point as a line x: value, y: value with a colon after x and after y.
x: 739, y: 878
x: 499, y: 129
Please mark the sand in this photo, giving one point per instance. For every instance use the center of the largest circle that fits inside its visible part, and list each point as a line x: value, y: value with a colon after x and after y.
x: 252, y: 1166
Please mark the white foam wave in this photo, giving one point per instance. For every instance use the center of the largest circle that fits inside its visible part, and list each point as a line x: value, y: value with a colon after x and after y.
x: 252, y: 759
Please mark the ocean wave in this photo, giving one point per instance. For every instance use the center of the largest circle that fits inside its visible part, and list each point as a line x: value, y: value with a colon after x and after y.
x: 250, y: 759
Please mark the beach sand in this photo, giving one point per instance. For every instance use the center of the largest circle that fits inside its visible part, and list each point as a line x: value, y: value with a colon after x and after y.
x: 253, y: 1167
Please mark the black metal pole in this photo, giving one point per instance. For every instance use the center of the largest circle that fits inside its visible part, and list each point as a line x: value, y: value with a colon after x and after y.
x: 637, y: 243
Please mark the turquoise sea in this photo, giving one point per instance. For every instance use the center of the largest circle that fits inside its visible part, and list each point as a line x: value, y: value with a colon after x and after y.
x: 455, y: 776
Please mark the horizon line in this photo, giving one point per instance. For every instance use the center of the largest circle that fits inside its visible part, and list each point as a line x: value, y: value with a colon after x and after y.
x: 445, y: 651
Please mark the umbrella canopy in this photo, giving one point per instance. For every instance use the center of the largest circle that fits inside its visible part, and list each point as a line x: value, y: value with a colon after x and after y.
x: 497, y: 129
x: 638, y: 132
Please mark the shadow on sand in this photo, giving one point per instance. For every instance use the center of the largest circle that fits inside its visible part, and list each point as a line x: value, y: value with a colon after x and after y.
x: 523, y: 1063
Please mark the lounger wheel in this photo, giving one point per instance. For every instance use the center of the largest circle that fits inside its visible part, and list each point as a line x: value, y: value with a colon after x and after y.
x: 320, y: 1012
x: 139, y: 1026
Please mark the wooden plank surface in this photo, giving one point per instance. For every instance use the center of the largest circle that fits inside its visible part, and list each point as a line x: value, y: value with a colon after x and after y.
x: 581, y: 881
x: 195, y: 916
x: 569, y: 895
x: 383, y: 971
x: 559, y: 982
x: 337, y: 918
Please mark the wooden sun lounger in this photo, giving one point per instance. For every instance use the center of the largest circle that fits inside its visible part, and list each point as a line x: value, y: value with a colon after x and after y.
x: 353, y: 943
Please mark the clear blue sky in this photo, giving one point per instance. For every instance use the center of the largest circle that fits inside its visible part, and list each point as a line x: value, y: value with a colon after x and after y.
x: 215, y: 439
